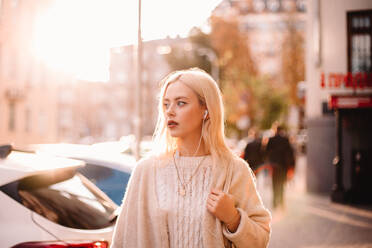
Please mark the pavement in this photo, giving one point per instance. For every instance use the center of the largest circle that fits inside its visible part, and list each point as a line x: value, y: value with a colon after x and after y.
x: 312, y: 220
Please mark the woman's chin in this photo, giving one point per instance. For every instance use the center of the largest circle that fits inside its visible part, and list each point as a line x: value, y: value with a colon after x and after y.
x: 174, y: 133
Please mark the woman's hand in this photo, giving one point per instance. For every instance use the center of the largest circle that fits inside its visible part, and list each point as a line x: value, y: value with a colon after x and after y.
x: 222, y: 206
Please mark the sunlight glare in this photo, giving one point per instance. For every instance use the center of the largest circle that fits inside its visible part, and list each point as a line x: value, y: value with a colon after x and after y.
x: 74, y: 36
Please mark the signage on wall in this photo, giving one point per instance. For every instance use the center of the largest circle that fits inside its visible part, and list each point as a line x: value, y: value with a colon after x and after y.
x: 349, y: 102
x: 347, y: 91
x: 351, y: 81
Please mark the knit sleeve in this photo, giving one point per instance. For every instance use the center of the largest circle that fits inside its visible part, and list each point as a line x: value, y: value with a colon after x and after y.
x: 254, y: 228
x: 130, y: 199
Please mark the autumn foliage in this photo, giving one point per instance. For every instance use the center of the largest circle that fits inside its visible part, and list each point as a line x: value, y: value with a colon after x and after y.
x: 232, y: 46
x: 293, y: 66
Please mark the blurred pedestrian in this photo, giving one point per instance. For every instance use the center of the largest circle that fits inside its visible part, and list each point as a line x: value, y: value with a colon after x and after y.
x: 253, y: 152
x: 193, y: 191
x: 281, y: 157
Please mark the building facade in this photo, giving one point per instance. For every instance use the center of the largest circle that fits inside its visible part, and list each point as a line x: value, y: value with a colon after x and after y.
x: 155, y: 67
x: 27, y: 113
x: 41, y: 105
x: 339, y: 99
x: 89, y: 112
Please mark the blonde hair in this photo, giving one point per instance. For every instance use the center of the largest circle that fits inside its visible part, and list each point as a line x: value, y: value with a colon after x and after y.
x: 209, y: 95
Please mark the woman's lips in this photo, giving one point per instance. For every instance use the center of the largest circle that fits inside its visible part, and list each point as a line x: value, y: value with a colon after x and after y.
x: 172, y: 124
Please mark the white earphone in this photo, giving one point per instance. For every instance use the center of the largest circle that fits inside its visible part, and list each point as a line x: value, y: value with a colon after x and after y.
x: 205, y: 114
x: 201, y: 135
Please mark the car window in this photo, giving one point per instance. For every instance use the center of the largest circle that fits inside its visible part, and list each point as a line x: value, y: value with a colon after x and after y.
x: 112, y: 182
x: 69, y: 202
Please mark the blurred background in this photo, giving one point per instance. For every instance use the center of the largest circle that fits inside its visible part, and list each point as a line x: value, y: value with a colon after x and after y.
x: 87, y: 72
x: 69, y: 69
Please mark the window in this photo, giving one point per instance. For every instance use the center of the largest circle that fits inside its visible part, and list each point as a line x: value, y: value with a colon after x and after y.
x: 42, y: 123
x: 13, y: 64
x: 301, y: 5
x: 288, y: 5
x: 66, y: 117
x: 1, y: 50
x: 359, y: 25
x: 65, y: 198
x: 11, y: 120
x: 27, y: 120
x: 273, y: 5
x: 258, y: 5
x: 112, y: 182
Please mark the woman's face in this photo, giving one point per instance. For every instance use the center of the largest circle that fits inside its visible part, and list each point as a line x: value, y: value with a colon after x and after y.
x: 183, y: 111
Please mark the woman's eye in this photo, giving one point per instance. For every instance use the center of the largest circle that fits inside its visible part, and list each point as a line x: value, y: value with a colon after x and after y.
x: 180, y: 103
x: 165, y: 105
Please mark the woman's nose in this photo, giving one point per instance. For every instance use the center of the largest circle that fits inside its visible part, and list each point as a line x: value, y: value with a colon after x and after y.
x: 170, y: 110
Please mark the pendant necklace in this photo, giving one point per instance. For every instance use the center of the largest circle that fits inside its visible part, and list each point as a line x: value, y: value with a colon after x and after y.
x: 182, y: 190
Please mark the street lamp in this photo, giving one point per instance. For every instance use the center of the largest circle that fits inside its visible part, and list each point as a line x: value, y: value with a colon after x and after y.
x: 138, y: 119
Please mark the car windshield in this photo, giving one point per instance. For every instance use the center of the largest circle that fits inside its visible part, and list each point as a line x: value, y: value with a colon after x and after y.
x: 73, y: 202
x: 112, y: 182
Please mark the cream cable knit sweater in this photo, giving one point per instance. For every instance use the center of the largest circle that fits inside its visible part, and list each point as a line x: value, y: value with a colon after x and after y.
x: 184, y: 212
x: 142, y: 222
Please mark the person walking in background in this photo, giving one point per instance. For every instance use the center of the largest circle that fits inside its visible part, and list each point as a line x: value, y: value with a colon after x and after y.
x: 253, y: 152
x: 193, y: 191
x: 280, y: 155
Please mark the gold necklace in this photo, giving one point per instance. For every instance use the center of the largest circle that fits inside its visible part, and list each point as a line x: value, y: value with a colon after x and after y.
x: 182, y: 191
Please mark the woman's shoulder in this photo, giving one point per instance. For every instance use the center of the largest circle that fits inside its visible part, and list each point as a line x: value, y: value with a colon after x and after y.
x: 145, y: 162
x: 240, y: 166
x: 239, y: 163
x: 151, y: 161
x: 143, y: 167
x: 241, y: 170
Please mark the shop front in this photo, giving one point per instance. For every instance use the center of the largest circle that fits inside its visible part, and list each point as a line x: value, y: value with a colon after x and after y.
x: 339, y: 100
x: 353, y: 158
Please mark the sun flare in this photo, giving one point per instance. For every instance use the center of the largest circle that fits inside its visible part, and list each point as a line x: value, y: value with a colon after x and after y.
x: 74, y: 36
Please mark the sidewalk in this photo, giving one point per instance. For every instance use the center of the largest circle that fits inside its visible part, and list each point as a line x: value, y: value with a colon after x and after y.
x: 313, y: 221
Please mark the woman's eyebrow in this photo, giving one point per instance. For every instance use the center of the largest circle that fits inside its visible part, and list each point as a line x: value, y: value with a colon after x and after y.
x: 177, y: 98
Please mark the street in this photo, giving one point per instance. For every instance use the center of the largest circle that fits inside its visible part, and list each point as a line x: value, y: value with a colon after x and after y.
x: 313, y: 221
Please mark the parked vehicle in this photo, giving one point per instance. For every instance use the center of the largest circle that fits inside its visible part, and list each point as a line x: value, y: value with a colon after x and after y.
x: 107, y: 169
x: 126, y: 145
x: 46, y: 202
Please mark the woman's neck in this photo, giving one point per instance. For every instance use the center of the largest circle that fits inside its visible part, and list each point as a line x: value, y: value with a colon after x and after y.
x: 191, y: 148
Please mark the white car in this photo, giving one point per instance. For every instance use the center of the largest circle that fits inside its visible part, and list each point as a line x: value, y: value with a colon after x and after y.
x: 126, y: 145
x: 107, y: 169
x: 45, y: 202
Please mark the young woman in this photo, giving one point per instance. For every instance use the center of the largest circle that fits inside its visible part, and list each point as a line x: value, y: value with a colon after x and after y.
x: 193, y: 192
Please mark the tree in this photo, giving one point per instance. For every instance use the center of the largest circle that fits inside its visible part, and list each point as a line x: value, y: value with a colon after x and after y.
x: 232, y: 46
x: 246, y: 94
x: 293, y: 65
x: 237, y: 72
x: 180, y: 58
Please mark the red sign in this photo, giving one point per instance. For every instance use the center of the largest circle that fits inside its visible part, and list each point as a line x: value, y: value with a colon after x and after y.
x: 337, y: 102
x: 358, y: 80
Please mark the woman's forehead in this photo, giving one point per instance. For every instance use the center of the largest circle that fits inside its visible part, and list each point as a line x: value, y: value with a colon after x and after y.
x: 179, y: 90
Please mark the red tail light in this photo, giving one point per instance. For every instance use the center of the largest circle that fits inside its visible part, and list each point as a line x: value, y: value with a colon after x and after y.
x: 61, y: 244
